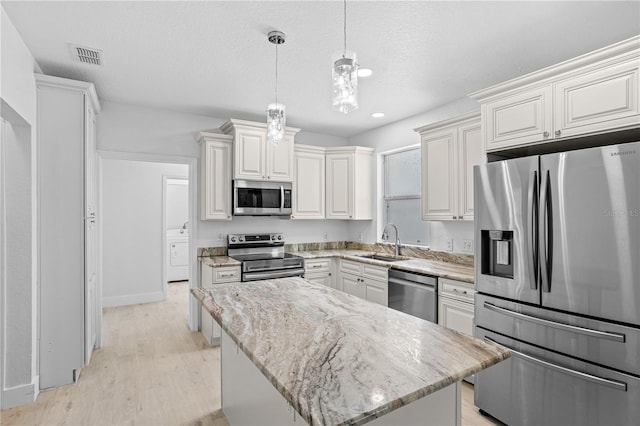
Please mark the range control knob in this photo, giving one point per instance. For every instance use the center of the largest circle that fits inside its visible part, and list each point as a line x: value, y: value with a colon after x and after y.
x: 233, y: 239
x: 279, y: 237
x: 241, y: 239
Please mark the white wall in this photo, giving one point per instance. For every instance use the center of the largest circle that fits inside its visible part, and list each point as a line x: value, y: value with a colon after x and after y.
x: 18, y: 284
x: 177, y: 203
x: 401, y: 134
x: 132, y: 229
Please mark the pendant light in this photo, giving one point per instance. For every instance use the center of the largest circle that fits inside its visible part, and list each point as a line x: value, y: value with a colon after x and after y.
x: 345, y: 76
x: 276, y: 117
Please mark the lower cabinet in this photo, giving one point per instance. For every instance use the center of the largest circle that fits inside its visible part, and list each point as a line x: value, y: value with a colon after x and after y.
x: 366, y: 281
x: 320, y: 271
x: 455, y: 305
x: 209, y: 277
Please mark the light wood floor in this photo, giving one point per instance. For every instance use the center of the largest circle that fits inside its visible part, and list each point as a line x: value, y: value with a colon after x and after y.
x: 151, y: 370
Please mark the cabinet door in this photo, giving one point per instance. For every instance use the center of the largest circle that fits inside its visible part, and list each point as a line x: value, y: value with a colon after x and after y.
x: 279, y: 165
x: 323, y: 279
x: 470, y: 154
x: 439, y: 176
x: 249, y: 154
x: 206, y: 326
x: 216, y: 181
x: 352, y: 285
x: 308, y: 185
x: 600, y: 100
x: 518, y: 119
x: 376, y: 291
x: 456, y: 315
x: 339, y: 196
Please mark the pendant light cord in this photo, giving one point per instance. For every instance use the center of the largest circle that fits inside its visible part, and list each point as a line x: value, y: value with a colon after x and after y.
x: 276, y: 73
x: 345, y: 29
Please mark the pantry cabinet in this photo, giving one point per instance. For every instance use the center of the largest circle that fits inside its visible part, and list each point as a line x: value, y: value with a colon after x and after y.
x: 365, y: 281
x: 308, y: 182
x: 254, y: 158
x: 450, y: 150
x: 594, y: 93
x: 215, y: 176
x: 209, y: 277
x: 349, y: 190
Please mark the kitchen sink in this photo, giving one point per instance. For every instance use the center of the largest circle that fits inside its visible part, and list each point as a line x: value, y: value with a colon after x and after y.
x: 382, y: 257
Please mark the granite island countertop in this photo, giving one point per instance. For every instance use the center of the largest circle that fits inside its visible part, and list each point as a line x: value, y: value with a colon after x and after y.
x: 437, y: 268
x: 339, y: 359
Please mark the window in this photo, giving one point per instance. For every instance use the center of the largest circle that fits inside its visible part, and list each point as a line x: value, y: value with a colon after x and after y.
x: 402, y: 195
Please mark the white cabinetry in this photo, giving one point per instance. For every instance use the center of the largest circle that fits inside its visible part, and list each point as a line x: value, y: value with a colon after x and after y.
x: 68, y: 240
x: 455, y: 305
x: 450, y: 149
x: 211, y: 276
x: 254, y: 158
x: 320, y: 271
x: 215, y: 176
x: 594, y: 93
x: 308, y: 182
x: 365, y: 281
x: 349, y: 190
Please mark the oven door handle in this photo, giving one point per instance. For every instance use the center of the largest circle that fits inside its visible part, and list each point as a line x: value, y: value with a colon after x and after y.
x: 275, y: 268
x: 616, y: 337
x: 265, y: 276
x: 575, y: 373
x: 281, y: 197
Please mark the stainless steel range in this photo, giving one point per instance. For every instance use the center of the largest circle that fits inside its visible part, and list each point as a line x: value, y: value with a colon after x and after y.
x: 263, y: 256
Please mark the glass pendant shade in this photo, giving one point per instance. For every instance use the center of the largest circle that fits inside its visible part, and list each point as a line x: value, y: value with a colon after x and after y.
x: 345, y: 81
x: 276, y: 122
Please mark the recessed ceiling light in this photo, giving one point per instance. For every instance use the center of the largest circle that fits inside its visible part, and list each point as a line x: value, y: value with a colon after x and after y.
x: 365, y: 72
x: 377, y: 114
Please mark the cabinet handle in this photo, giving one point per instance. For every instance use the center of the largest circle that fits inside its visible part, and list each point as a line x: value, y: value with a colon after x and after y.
x: 455, y: 217
x: 316, y: 266
x: 545, y: 134
x: 329, y: 273
x: 558, y: 132
x: 458, y: 291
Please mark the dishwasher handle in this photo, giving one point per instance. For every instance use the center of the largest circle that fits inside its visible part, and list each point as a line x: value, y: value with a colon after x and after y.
x: 397, y: 281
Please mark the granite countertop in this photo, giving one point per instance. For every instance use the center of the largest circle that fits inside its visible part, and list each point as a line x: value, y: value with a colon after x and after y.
x: 424, y: 266
x: 219, y: 261
x: 339, y: 359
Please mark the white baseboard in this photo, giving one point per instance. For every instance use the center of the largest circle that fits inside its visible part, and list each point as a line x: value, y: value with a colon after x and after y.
x: 132, y: 299
x: 19, y: 395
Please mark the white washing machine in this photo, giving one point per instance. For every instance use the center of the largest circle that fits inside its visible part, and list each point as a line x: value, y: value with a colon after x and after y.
x: 177, y: 255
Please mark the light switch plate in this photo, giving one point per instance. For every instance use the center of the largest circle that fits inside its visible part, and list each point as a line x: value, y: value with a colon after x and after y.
x: 449, y: 244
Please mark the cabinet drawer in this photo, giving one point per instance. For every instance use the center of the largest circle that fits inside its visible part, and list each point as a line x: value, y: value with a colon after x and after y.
x: 317, y: 265
x: 375, y: 272
x: 351, y: 267
x: 226, y: 274
x: 456, y: 289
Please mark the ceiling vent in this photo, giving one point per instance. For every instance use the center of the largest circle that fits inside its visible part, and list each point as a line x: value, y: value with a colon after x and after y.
x: 86, y: 55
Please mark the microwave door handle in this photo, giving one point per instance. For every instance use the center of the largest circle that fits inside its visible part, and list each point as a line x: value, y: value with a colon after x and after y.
x: 532, y: 230
x: 281, y: 197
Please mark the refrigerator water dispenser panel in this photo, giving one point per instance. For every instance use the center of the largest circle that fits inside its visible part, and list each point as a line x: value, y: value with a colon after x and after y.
x: 497, y: 253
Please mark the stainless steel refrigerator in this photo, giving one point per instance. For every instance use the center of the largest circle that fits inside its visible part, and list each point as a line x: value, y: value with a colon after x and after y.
x: 558, y: 281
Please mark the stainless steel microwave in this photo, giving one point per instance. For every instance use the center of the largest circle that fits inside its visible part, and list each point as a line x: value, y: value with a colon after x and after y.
x: 256, y: 198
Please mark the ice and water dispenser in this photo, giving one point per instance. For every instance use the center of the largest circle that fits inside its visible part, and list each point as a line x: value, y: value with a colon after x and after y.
x: 497, y: 253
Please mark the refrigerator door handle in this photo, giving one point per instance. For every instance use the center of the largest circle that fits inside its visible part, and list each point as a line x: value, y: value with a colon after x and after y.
x: 579, y: 374
x: 545, y: 232
x: 616, y: 337
x: 532, y: 230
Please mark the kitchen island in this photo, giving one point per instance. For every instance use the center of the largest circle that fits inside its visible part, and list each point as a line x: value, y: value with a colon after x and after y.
x: 334, y: 358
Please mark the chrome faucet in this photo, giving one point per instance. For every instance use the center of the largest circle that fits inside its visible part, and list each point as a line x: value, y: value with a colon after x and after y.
x: 385, y: 236
x: 184, y: 225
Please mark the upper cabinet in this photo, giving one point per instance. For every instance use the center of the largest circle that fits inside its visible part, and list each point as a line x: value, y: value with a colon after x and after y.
x: 450, y: 149
x: 256, y: 159
x: 594, y: 93
x: 215, y: 176
x: 349, y: 183
x: 308, y: 182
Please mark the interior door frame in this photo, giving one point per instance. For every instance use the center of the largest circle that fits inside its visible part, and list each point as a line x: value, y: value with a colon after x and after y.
x: 194, y: 277
x: 165, y: 254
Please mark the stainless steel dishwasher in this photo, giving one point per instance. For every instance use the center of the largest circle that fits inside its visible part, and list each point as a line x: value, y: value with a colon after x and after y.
x: 414, y: 294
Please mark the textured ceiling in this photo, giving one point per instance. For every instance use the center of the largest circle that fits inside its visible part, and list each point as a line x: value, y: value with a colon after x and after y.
x: 213, y: 58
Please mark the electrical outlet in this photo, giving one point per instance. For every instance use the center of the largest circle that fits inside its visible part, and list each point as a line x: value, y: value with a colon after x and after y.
x: 220, y: 237
x: 449, y: 244
x: 467, y: 245
x: 360, y: 237
x: 325, y: 236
